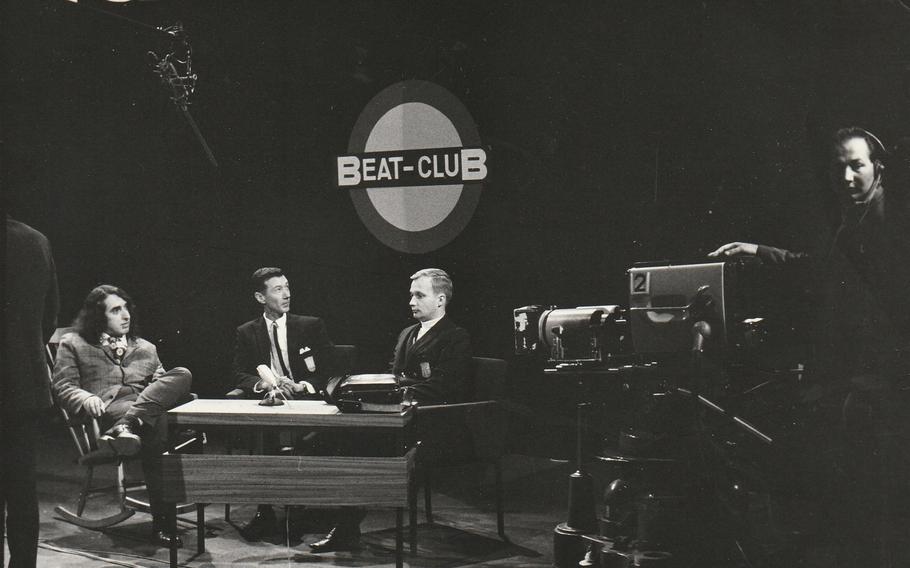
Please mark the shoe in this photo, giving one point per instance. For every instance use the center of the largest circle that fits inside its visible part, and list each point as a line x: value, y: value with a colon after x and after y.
x: 260, y: 525
x: 161, y: 534
x: 339, y: 538
x: 123, y: 438
x: 164, y: 538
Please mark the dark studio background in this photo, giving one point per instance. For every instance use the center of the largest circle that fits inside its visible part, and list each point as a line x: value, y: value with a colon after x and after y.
x: 617, y: 131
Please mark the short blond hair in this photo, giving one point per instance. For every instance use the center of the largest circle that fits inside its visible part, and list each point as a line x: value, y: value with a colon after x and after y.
x: 439, y: 279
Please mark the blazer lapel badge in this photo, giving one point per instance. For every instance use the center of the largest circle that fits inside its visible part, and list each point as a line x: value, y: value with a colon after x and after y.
x: 307, y: 355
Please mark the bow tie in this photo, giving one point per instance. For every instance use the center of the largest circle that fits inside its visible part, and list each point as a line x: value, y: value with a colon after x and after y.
x: 117, y: 345
x: 115, y: 341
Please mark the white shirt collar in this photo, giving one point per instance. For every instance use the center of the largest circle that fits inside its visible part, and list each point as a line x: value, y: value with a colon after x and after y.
x: 282, y: 321
x: 425, y: 326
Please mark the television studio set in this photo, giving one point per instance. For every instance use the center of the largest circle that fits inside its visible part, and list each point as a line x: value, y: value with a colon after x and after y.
x: 506, y: 283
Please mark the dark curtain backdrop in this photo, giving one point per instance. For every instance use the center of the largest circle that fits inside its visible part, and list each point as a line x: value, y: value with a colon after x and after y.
x: 617, y: 131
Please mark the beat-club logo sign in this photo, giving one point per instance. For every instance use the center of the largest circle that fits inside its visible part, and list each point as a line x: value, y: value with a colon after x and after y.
x: 414, y: 167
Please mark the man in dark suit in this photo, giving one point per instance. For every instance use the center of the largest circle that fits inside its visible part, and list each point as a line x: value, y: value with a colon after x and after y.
x: 432, y: 360
x: 106, y: 371
x: 30, y: 310
x: 433, y: 356
x: 296, y: 348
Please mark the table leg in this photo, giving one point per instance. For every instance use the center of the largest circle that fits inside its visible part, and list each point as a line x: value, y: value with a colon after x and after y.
x: 412, y: 520
x: 500, y: 521
x: 399, y: 537
x: 200, y: 528
x: 172, y: 527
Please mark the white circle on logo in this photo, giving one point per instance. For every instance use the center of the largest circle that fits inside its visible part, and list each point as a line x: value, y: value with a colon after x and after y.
x: 414, y: 126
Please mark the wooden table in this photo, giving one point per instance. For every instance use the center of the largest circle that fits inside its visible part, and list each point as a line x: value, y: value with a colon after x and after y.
x: 326, y: 481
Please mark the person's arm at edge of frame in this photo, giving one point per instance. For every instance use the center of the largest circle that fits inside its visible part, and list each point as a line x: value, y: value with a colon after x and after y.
x: 51, y: 299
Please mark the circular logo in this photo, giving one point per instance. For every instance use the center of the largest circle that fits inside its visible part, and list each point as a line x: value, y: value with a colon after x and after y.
x: 415, y: 168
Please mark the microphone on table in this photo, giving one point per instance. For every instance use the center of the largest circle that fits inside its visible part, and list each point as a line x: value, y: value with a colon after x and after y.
x: 267, y: 379
x: 268, y: 383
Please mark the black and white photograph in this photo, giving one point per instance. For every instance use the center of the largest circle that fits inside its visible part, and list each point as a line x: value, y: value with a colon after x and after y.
x: 506, y: 283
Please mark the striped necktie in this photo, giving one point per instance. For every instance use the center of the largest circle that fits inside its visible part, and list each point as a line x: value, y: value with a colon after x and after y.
x: 284, y: 368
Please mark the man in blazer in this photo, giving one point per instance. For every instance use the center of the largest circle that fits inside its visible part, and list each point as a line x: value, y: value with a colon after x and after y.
x: 106, y: 371
x: 432, y: 359
x: 433, y: 356
x: 30, y: 310
x: 296, y: 348
x: 304, y: 352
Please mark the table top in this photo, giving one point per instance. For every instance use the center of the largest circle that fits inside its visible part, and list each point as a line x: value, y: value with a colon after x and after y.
x: 246, y: 412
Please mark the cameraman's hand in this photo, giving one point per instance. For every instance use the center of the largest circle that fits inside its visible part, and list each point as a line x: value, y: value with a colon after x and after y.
x: 731, y: 249
x: 94, y: 406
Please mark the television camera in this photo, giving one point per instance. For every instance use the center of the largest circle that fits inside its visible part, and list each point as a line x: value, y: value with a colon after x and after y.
x: 686, y: 328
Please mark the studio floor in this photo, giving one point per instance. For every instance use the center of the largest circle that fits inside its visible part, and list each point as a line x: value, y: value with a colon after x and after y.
x: 463, y: 533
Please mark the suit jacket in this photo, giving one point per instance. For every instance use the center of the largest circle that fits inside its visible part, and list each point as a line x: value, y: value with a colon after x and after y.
x: 252, y: 348
x: 31, y: 316
x: 84, y: 369
x: 444, y: 353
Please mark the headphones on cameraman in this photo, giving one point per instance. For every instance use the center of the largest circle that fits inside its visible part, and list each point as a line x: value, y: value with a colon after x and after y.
x: 877, y: 151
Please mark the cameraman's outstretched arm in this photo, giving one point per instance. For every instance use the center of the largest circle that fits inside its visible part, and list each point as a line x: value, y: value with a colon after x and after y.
x: 770, y: 255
